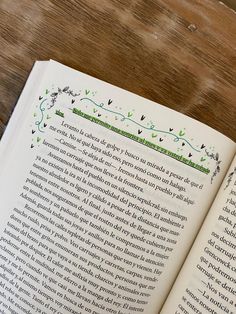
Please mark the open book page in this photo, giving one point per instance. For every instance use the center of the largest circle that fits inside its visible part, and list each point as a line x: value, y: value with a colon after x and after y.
x: 207, y: 281
x: 101, y: 197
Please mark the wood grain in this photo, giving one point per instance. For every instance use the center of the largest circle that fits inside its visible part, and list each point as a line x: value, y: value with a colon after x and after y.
x: 179, y: 53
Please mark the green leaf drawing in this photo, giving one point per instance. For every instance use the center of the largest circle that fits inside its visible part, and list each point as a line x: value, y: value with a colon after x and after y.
x: 130, y: 114
x: 181, y: 133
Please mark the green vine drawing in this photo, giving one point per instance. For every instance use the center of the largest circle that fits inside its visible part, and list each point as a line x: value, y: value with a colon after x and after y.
x: 142, y: 141
x: 151, y: 128
x: 49, y: 99
x: 39, y: 123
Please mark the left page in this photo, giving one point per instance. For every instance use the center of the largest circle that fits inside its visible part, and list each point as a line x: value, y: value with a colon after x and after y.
x: 102, y: 193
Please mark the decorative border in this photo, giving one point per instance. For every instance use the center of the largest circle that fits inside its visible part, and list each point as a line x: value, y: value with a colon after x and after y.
x: 142, y: 141
x: 151, y: 128
x: 101, y: 109
x: 42, y: 113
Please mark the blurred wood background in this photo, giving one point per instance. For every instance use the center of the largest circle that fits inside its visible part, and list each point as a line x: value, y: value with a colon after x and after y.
x: 181, y: 53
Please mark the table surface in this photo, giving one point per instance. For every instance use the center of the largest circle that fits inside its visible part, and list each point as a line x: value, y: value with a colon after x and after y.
x: 179, y: 53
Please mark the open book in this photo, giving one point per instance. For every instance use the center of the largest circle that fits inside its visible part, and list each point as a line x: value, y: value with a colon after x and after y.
x: 111, y: 203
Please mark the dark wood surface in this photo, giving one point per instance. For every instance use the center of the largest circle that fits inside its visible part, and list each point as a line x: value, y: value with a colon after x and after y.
x: 181, y: 53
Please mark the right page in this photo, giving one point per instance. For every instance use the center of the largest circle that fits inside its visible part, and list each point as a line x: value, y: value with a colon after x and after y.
x: 207, y: 281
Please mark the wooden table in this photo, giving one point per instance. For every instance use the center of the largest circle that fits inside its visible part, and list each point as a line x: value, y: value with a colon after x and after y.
x: 181, y: 53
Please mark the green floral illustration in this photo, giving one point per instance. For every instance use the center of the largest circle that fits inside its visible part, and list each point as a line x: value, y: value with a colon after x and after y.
x: 147, y: 132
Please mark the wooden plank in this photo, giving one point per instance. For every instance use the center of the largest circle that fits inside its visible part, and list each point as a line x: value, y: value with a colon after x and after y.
x: 180, y: 53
